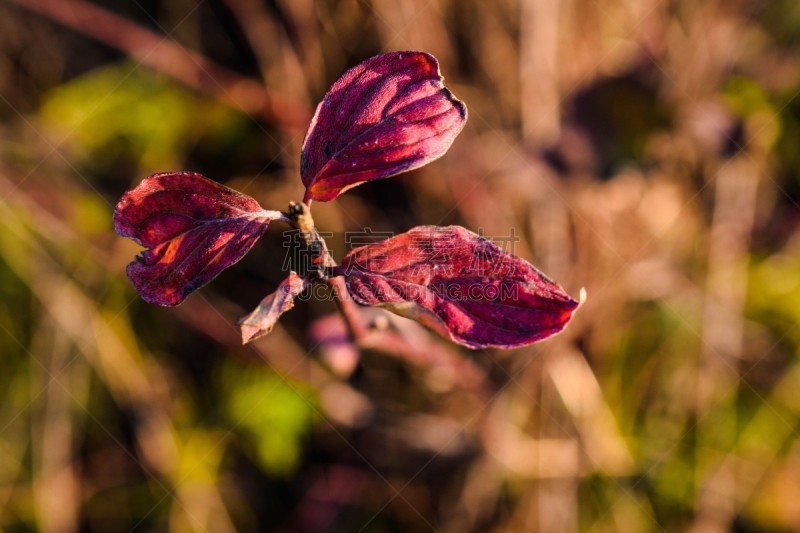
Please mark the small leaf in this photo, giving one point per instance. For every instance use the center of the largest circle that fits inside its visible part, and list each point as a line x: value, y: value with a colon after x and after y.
x: 192, y: 227
x: 387, y: 115
x: 261, y: 321
x: 459, y: 284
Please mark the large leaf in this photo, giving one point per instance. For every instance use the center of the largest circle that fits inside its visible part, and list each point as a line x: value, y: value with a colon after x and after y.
x: 460, y: 284
x: 192, y: 227
x: 389, y: 114
x: 263, y: 318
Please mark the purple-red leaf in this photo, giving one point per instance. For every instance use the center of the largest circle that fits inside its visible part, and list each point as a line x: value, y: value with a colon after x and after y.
x: 460, y: 284
x: 389, y: 114
x: 192, y: 227
x: 263, y: 318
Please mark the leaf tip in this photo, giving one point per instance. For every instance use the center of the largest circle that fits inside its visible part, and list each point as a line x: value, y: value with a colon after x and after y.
x: 250, y: 332
x: 460, y: 106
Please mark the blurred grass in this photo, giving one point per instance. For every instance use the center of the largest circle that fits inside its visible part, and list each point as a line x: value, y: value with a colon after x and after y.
x: 645, y: 150
x: 119, y: 112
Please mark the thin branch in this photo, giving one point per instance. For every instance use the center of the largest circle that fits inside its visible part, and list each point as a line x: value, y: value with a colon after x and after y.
x: 467, y: 374
x: 349, y: 309
x: 303, y: 221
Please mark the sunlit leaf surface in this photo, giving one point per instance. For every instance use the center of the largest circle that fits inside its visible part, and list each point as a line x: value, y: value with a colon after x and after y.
x: 389, y: 114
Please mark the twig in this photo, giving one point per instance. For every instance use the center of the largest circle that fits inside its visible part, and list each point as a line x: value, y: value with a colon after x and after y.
x: 349, y: 309
x: 301, y: 216
x: 382, y: 340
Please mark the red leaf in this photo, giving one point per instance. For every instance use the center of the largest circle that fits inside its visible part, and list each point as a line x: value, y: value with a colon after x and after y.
x: 263, y: 318
x: 387, y: 115
x: 192, y: 227
x: 460, y: 284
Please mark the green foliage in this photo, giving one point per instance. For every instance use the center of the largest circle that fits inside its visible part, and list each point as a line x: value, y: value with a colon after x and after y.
x: 782, y: 19
x: 746, y: 97
x: 774, y: 293
x: 276, y: 414
x: 124, y: 111
x: 752, y: 102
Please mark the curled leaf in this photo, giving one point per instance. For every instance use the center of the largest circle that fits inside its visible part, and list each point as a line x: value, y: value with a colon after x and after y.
x: 263, y: 318
x: 387, y: 115
x: 460, y: 284
x: 192, y: 227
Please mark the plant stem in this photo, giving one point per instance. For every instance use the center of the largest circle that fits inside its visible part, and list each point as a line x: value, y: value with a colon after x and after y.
x: 467, y: 375
x: 302, y: 219
x: 349, y: 309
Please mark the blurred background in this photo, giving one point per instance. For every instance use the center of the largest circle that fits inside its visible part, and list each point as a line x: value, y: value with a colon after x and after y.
x: 646, y: 150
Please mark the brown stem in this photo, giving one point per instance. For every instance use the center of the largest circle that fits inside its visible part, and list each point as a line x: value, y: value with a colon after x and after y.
x: 466, y: 374
x: 300, y: 214
x: 349, y: 309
